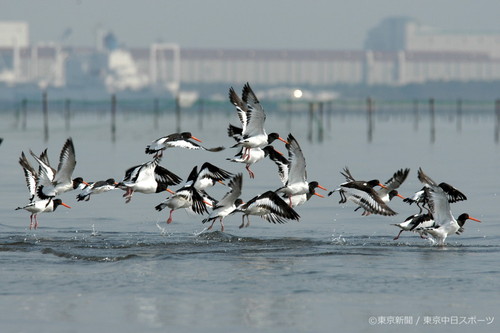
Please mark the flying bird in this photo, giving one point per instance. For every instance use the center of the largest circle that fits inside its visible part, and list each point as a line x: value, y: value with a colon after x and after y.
x: 389, y: 190
x: 210, y: 174
x: 444, y: 222
x: 256, y: 155
x: 186, y: 197
x: 295, y: 182
x: 181, y: 140
x: 268, y: 206
x: 252, y: 118
x: 228, y: 203
x: 422, y: 221
x: 362, y: 193
x: 98, y: 187
x: 300, y: 199
x: 36, y: 205
x: 53, y: 182
x: 149, y: 177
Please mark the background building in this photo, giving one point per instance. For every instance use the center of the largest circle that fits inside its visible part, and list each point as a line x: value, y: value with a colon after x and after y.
x: 397, y: 52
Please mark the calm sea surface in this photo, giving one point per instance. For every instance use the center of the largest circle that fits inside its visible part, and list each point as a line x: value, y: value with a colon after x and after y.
x: 106, y: 265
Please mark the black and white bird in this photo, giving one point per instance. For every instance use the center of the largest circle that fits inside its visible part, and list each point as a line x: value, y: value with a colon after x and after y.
x: 362, y: 193
x: 98, y: 187
x: 228, y: 203
x: 36, y: 205
x: 389, y: 190
x: 444, y: 222
x: 364, y: 196
x: 422, y: 221
x: 421, y: 199
x: 181, y: 140
x: 268, y: 206
x: 186, y: 197
x: 295, y: 182
x: 53, y: 182
x: 283, y: 168
x: 300, y: 199
x: 252, y: 118
x: 282, y: 163
x: 147, y: 178
x: 255, y: 155
x: 208, y: 176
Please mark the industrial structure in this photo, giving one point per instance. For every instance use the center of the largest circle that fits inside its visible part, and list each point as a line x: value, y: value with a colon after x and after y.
x: 397, y: 52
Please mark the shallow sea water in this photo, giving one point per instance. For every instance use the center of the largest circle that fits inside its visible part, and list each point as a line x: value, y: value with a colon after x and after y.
x: 107, y: 265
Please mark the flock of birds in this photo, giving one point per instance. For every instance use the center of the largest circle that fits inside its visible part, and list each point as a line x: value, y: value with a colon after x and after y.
x: 434, y: 220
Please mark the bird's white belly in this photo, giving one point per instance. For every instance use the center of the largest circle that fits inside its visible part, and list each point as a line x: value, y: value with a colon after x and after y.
x: 259, y: 211
x: 299, y: 199
x: 296, y: 188
x: 143, y: 187
x: 255, y: 141
x: 177, y: 202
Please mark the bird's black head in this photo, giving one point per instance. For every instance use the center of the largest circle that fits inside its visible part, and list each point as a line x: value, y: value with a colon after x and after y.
x: 392, y: 194
x: 110, y: 181
x: 77, y: 181
x: 464, y: 217
x: 372, y: 183
x: 313, y: 185
x: 238, y: 202
x: 275, y: 136
x: 312, y: 189
x: 271, y: 137
x: 58, y: 202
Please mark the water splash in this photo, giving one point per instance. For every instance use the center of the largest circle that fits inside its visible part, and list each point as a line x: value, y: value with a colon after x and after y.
x: 196, y: 234
x: 339, y: 240
x: 163, y: 231
x: 94, y: 231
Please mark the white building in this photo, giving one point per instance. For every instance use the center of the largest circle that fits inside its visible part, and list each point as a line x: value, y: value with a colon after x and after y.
x: 398, y: 51
x: 21, y: 62
x: 421, y: 53
x: 14, y: 34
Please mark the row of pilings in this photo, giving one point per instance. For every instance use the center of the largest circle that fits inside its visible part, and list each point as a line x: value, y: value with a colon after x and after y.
x: 319, y: 115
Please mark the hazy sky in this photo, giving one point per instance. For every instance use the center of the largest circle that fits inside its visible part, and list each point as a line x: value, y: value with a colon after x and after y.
x: 296, y: 24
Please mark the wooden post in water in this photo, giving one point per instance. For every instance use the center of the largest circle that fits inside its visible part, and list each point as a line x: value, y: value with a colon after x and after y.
x: 178, y: 112
x: 45, y: 110
x: 67, y: 113
x: 433, y: 120
x: 156, y: 113
x: 320, y: 122
x: 200, y: 113
x: 17, y: 115
x: 24, y: 114
x: 289, y: 114
x: 113, y: 118
x: 415, y: 115
x: 310, y: 123
x: 459, y: 115
x: 369, y: 111
x: 497, y: 120
x: 329, y: 111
